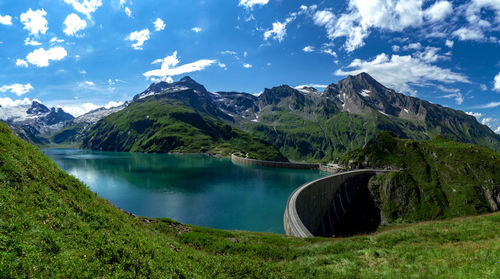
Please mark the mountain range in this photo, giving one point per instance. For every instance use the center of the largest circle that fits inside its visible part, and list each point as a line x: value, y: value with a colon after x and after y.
x: 301, y: 124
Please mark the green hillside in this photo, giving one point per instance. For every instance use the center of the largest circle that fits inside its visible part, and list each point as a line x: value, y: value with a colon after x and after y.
x: 438, y: 178
x: 53, y: 226
x: 160, y: 125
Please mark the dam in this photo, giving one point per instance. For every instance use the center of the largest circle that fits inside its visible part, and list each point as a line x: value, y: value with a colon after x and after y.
x: 336, y: 205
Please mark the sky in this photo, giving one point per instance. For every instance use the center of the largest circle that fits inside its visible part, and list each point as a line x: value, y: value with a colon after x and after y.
x: 82, y: 54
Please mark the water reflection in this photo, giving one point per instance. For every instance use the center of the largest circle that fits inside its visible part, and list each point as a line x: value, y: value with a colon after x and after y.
x: 193, y: 189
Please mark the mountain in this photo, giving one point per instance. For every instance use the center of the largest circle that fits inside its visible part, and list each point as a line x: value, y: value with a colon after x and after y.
x: 436, y: 179
x: 34, y: 122
x: 314, y: 126
x: 53, y: 226
x: 305, y: 124
x: 175, y: 121
x: 74, y: 129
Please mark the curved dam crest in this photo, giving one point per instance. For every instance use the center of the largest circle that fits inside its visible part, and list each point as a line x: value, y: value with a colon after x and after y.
x: 336, y: 205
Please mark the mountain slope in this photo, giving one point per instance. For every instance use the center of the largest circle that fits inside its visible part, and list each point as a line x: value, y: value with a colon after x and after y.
x: 308, y: 125
x: 34, y: 122
x: 438, y: 178
x: 161, y: 123
x: 52, y: 226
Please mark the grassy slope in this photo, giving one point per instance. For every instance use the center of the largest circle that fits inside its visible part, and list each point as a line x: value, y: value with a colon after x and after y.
x: 440, y: 178
x: 168, y: 126
x: 52, y: 226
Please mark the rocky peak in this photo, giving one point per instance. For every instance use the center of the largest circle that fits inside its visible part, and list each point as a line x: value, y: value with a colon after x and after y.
x: 360, y: 82
x: 37, y: 108
x: 162, y: 86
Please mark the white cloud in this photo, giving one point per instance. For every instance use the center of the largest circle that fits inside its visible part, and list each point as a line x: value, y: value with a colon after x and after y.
x: 140, y: 37
x: 278, y: 32
x: 459, y: 98
x: 329, y: 51
x: 477, y: 115
x: 80, y: 109
x: 35, y: 22
x: 413, y: 46
x: 465, y: 33
x: 396, y: 48
x: 439, y: 11
x: 308, y: 49
x: 487, y: 121
x: 169, y: 67
x: 73, y: 23
x: 222, y: 65
x: 488, y: 105
x: 8, y: 102
x: 246, y: 65
x: 85, y: 7
x: 17, y: 88
x: 41, y: 57
x: 496, y: 85
x: 400, y: 72
x: 196, y: 29
x: 21, y: 63
x: 56, y: 40
x: 251, y: 3
x: 6, y: 20
x: 364, y: 15
x: 449, y: 43
x: 89, y: 83
x: 128, y: 12
x: 31, y: 42
x: 159, y: 24
x: 497, y: 130
x: 483, y: 87
x: 311, y: 85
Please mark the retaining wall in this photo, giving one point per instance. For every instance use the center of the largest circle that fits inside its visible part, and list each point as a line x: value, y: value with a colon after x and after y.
x: 338, y: 204
x: 289, y: 165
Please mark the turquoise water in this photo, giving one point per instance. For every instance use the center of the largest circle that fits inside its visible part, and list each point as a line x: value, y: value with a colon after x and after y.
x: 192, y: 189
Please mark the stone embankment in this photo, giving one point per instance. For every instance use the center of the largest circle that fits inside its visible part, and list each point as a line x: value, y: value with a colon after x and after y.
x: 336, y: 205
x: 273, y: 164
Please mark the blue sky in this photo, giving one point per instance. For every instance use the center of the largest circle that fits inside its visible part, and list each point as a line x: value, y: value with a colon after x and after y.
x: 80, y: 54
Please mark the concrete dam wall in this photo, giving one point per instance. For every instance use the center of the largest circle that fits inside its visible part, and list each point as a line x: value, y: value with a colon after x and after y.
x: 336, y: 205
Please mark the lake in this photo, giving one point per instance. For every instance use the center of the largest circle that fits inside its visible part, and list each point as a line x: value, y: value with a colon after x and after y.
x: 192, y: 189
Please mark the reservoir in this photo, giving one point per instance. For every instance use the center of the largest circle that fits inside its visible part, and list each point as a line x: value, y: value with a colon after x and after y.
x: 192, y: 189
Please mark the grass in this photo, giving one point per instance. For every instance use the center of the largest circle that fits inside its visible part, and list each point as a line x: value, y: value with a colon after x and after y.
x: 53, y: 226
x: 438, y: 178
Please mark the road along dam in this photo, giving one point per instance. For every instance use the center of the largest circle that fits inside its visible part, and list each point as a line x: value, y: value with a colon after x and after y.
x: 336, y: 205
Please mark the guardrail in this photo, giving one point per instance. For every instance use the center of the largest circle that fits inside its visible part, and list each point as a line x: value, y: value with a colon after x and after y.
x: 273, y: 164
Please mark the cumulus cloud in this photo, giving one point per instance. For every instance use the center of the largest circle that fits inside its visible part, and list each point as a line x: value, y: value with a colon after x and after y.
x: 170, y: 67
x: 35, y: 21
x: 278, y: 32
x: 449, y: 43
x: 251, y: 3
x: 196, y: 29
x: 89, y: 83
x: 498, y: 130
x: 159, y: 24
x: 388, y: 70
x: 439, y: 11
x: 308, y: 49
x: 56, y: 40
x: 128, y: 12
x: 6, y: 20
x: 246, y: 65
x: 80, y: 109
x: 496, y: 85
x: 17, y: 88
x: 72, y: 24
x: 85, y: 7
x: 464, y: 34
x: 139, y: 37
x: 41, y: 57
x: 8, y: 102
x: 31, y: 42
x: 477, y: 115
x: 21, y: 63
